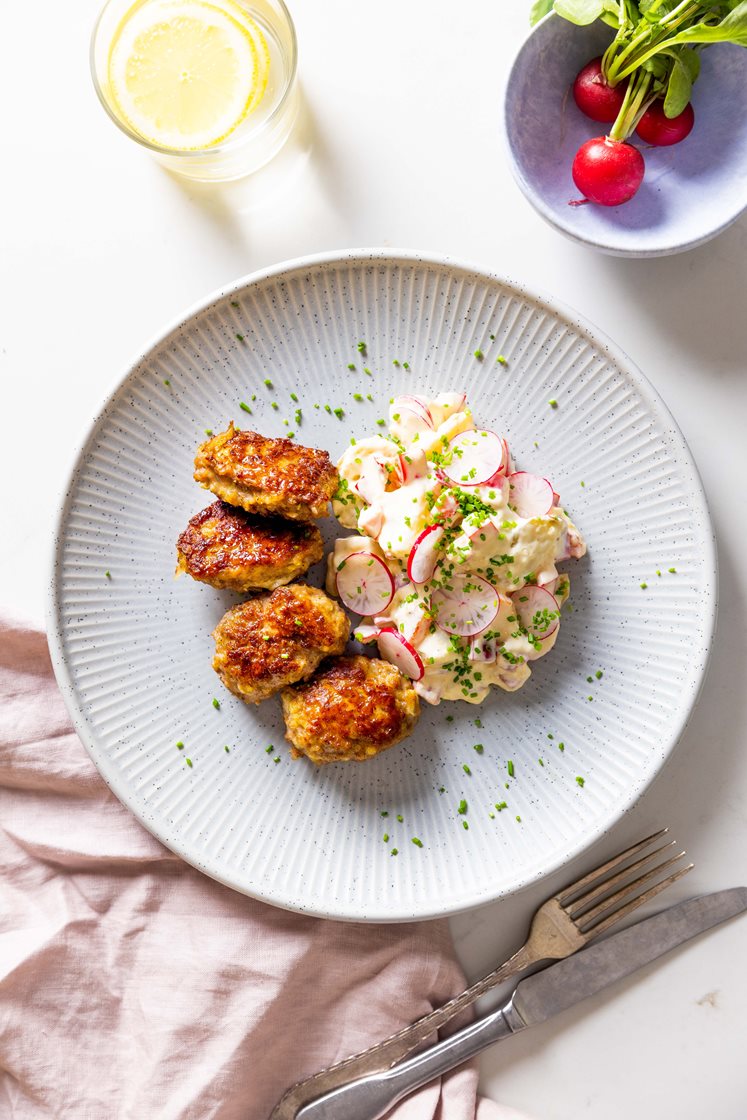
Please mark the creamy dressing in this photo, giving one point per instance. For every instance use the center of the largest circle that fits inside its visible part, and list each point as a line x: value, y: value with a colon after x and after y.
x: 393, y: 490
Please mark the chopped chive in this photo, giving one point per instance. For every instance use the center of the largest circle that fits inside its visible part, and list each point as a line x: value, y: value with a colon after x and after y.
x: 244, y: 407
x: 590, y: 680
x: 180, y: 746
x: 550, y: 735
x: 240, y: 337
x: 510, y: 768
x: 385, y: 837
x: 395, y: 363
x: 107, y: 574
x: 394, y: 852
x: 658, y: 572
x: 442, y: 789
x: 589, y: 698
x: 351, y: 365
x: 418, y: 843
x: 361, y: 348
x: 478, y: 747
x: 216, y: 704
x: 357, y: 396
x: 381, y: 423
x: 339, y: 413
x: 518, y: 818
x: 540, y: 762
x: 553, y: 403
x: 234, y: 303
x: 367, y: 371
x: 644, y: 586
x: 276, y: 760
x: 479, y: 354
x: 166, y: 381
x: 465, y: 824
x: 672, y: 571
x: 561, y: 746
x: 227, y: 750
x: 294, y: 398
x: 580, y: 781
x: 599, y: 674
x: 208, y: 431
x: 466, y: 769
x: 384, y: 813
x: 500, y: 360
x: 270, y: 749
x: 405, y: 365
x: 188, y: 762
x: 462, y: 807
x: 268, y: 383
x: 501, y: 805
x: 400, y: 818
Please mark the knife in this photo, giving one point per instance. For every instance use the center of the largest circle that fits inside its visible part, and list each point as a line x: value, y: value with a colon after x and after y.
x: 535, y: 999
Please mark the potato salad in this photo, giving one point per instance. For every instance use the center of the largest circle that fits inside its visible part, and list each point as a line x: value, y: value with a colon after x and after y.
x: 452, y: 565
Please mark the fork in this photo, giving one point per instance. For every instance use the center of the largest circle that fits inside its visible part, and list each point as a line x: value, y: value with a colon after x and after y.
x: 563, y: 924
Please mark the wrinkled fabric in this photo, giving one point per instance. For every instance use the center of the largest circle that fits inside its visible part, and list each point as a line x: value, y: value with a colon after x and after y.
x: 134, y: 988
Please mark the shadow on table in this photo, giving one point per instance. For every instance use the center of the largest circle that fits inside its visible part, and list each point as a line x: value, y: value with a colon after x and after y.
x: 303, y: 168
x: 694, y: 297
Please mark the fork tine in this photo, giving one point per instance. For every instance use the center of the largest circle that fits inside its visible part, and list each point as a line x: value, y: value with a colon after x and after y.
x: 566, y: 894
x: 576, y: 907
x: 587, y: 918
x: 634, y: 903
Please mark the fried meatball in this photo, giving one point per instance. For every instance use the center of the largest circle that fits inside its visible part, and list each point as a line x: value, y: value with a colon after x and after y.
x: 352, y: 708
x: 270, y: 476
x: 277, y: 639
x: 227, y: 547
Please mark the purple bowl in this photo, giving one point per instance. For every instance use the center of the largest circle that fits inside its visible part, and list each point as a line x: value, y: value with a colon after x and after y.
x: 692, y: 191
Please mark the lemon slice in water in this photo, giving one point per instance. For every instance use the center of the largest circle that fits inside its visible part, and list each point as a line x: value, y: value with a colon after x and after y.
x: 184, y: 74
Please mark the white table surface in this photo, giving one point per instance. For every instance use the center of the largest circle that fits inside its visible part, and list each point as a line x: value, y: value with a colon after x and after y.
x: 99, y: 248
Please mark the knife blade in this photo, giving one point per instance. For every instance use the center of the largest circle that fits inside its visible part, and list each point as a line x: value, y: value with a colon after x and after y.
x: 535, y: 999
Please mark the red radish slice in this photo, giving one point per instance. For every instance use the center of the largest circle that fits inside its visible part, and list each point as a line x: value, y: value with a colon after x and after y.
x: 550, y: 585
x: 423, y: 557
x: 365, y: 634
x: 537, y: 611
x: 555, y: 498
x: 364, y: 583
x: 414, y: 405
x: 530, y: 495
x: 483, y: 649
x: 396, y: 649
x: 467, y: 606
x: 371, y: 521
x: 475, y: 458
x: 413, y: 465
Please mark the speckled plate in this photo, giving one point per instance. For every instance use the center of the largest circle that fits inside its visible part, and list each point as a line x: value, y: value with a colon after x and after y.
x: 132, y: 651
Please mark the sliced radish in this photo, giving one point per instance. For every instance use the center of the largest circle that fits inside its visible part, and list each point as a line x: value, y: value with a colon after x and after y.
x: 372, y: 482
x: 467, y: 606
x: 483, y: 649
x: 413, y: 465
x: 414, y: 405
x: 364, y: 583
x: 474, y: 458
x: 555, y: 498
x: 371, y: 521
x: 537, y: 610
x: 365, y: 634
x: 549, y: 584
x: 423, y: 557
x: 530, y: 495
x: 396, y: 649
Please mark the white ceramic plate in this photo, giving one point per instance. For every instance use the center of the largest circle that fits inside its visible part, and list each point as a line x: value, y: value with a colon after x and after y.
x: 132, y: 653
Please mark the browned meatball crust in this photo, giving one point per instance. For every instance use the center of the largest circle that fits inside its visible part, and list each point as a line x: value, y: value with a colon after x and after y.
x: 277, y: 639
x: 267, y: 476
x: 227, y: 547
x: 351, y: 709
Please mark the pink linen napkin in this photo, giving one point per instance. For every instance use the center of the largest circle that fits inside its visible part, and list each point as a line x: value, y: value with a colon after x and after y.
x: 134, y: 988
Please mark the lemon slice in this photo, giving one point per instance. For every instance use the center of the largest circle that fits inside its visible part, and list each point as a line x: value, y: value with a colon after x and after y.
x: 184, y: 74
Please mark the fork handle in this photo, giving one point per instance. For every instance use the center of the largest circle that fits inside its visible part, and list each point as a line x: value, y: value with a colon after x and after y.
x: 384, y: 1054
x: 371, y: 1097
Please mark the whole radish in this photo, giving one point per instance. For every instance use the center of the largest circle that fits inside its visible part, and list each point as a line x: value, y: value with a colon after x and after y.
x: 608, y: 172
x: 593, y: 94
x: 655, y: 127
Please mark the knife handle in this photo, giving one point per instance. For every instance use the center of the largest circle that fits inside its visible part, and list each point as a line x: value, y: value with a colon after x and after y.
x: 369, y: 1098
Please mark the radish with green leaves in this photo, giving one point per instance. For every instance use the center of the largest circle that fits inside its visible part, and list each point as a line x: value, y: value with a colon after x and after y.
x: 650, y: 65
